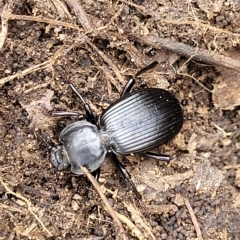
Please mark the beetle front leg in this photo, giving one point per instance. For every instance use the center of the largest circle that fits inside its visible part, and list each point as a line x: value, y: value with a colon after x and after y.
x: 126, y: 174
x: 90, y: 116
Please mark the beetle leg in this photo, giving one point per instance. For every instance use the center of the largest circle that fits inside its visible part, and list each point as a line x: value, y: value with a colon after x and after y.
x: 148, y: 67
x: 66, y: 114
x: 96, y: 174
x: 157, y: 156
x: 126, y: 174
x: 131, y: 82
x: 128, y: 86
x: 88, y: 110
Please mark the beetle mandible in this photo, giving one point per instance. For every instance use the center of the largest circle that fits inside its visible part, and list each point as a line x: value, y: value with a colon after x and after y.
x: 134, y: 124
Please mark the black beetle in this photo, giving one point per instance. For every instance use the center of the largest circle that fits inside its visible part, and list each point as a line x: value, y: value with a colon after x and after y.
x: 134, y: 124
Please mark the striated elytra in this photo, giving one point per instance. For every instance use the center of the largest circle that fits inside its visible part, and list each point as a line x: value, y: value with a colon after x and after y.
x: 141, y: 121
x: 135, y: 124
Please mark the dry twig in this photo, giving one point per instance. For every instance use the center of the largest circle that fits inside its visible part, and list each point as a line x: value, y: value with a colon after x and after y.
x: 80, y: 13
x: 109, y: 62
x: 77, y: 9
x: 28, y: 204
x: 44, y: 20
x: 108, y: 75
x: 200, y: 24
x: 194, y: 220
x: 135, y: 231
x: 10, y: 208
x: 47, y: 64
x: 182, y: 49
x: 140, y: 221
x: 4, y: 17
x: 120, y: 234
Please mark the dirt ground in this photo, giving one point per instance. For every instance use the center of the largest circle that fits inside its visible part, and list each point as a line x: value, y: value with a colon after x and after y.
x: 98, y: 45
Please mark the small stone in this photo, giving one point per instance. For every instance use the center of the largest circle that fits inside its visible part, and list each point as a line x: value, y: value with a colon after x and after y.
x: 75, y: 206
x: 153, y: 223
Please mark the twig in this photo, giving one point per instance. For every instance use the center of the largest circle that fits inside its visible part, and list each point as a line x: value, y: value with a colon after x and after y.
x: 10, y: 208
x: 189, y: 51
x: 190, y: 76
x: 28, y: 204
x: 80, y: 13
x: 120, y: 234
x: 4, y: 18
x: 108, y: 75
x: 48, y: 63
x: 43, y: 20
x: 139, y: 8
x: 111, y: 78
x: 194, y: 220
x: 109, y: 62
x: 25, y: 72
x: 227, y: 167
x: 200, y: 24
x: 62, y: 8
x: 140, y: 221
x: 135, y: 231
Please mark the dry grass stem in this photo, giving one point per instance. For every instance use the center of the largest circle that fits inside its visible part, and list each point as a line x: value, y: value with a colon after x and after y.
x: 120, y: 234
x: 9, y: 191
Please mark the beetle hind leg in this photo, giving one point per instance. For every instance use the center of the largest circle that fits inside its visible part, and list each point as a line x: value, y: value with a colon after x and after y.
x: 157, y: 156
x: 126, y: 174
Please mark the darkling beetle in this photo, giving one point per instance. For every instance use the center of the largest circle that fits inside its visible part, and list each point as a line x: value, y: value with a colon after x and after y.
x: 134, y: 124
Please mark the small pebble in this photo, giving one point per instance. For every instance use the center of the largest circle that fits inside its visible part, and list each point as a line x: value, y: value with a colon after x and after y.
x: 153, y: 223
x: 163, y: 236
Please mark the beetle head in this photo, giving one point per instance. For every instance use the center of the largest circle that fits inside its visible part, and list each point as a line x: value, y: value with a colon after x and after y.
x: 59, y: 158
x: 81, y: 146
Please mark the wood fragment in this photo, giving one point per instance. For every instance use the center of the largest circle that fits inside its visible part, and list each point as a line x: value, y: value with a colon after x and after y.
x: 134, y: 230
x: 202, y: 56
x: 140, y: 221
x: 120, y: 234
x: 12, y: 209
x: 111, y: 78
x: 194, y: 220
x: 80, y: 14
x: 25, y: 72
x: 138, y: 7
x: 82, y: 18
x: 202, y: 25
x: 46, y: 64
x: 44, y: 20
x: 4, y: 18
x: 62, y: 9
x: 9, y: 191
x: 109, y: 62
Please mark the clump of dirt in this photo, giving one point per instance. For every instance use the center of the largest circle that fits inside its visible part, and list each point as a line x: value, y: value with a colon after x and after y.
x: 97, y: 45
